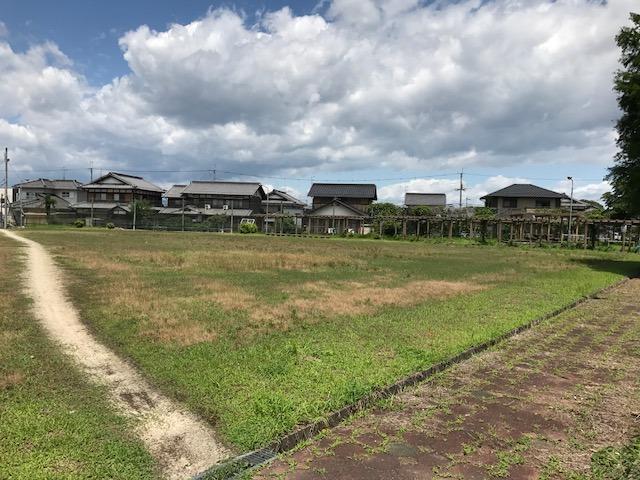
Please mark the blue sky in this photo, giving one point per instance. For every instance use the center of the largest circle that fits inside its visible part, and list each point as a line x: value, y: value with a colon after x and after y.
x: 401, y: 93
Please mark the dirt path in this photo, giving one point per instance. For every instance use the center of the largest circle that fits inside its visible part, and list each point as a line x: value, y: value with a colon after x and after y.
x: 182, y: 444
x: 536, y: 407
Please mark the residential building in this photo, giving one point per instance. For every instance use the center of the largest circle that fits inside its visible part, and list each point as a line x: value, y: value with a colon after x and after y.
x: 340, y: 207
x: 109, y: 198
x: 279, y: 201
x: 44, y: 200
x: 356, y: 196
x: 520, y: 198
x: 430, y: 200
x: 174, y: 196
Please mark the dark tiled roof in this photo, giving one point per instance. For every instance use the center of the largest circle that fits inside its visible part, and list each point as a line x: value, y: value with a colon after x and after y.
x: 524, y: 190
x: 425, y: 199
x: 344, y: 190
x: 223, y: 188
x: 126, y: 182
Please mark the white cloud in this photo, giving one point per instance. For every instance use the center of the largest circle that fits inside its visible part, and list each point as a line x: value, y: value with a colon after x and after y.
x: 373, y: 84
x: 589, y: 191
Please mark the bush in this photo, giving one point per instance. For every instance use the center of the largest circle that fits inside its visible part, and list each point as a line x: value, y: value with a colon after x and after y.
x: 110, y: 226
x: 248, y: 228
x: 78, y: 223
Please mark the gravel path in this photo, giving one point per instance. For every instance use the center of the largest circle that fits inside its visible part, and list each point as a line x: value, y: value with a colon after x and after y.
x: 536, y: 407
x: 182, y: 444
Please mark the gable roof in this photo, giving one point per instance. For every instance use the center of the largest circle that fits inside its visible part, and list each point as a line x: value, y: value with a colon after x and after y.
x: 50, y: 184
x: 282, y: 197
x: 345, y: 190
x: 175, y: 191
x: 198, y: 187
x: 526, y: 190
x: 356, y: 212
x: 425, y: 199
x: 126, y: 182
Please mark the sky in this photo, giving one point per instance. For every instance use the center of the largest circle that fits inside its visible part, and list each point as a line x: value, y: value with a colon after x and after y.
x: 401, y: 93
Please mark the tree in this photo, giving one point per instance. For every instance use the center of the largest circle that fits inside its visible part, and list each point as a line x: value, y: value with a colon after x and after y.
x: 385, y: 209
x: 484, y: 214
x: 49, y: 202
x: 624, y: 199
x: 421, y: 211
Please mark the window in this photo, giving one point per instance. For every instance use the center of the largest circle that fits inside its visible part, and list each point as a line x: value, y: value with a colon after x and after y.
x: 65, y: 194
x: 543, y: 203
x: 102, y: 196
x: 509, y: 203
x: 116, y: 197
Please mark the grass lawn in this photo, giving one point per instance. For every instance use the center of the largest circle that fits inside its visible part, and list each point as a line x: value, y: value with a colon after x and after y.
x: 54, y: 424
x: 259, y: 334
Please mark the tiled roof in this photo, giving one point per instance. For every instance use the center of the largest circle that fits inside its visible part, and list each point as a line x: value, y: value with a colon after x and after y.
x: 524, y: 190
x: 127, y: 182
x: 50, y: 184
x: 277, y: 197
x: 224, y: 188
x: 344, y: 190
x: 175, y: 191
x: 425, y: 199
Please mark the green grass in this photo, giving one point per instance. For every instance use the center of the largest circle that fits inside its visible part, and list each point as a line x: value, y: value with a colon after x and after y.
x: 53, y: 424
x: 259, y: 334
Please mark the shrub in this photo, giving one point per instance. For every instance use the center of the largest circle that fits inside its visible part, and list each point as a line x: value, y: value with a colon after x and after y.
x: 248, y: 228
x: 110, y: 226
x: 78, y: 223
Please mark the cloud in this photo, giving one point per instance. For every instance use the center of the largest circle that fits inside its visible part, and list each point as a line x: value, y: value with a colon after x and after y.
x: 471, y: 195
x: 588, y: 191
x: 371, y: 84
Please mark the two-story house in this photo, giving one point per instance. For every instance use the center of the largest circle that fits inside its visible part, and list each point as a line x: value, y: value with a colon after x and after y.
x: 44, y: 200
x: 521, y: 198
x: 111, y: 196
x: 339, y: 207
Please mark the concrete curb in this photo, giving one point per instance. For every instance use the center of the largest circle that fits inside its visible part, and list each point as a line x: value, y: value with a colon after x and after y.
x: 232, y: 468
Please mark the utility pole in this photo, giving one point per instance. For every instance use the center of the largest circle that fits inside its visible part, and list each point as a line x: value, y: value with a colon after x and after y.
x: 93, y: 194
x: 6, y: 188
x: 461, y: 189
x: 134, y: 209
x: 570, y: 209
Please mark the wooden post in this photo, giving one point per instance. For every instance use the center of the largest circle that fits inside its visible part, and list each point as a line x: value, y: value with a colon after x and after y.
x: 586, y: 234
x: 418, y: 229
x: 428, y: 228
x: 624, y: 236
x: 531, y: 233
x: 450, y: 228
x: 549, y: 230
x: 404, y: 228
x: 499, y: 232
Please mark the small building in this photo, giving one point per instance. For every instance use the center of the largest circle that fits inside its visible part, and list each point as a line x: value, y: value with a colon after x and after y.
x: 356, y: 195
x: 279, y: 201
x: 430, y: 200
x: 45, y: 201
x: 340, y: 207
x: 174, y: 196
x: 521, y: 197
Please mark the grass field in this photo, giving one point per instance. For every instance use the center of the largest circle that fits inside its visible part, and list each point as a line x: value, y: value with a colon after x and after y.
x: 259, y: 334
x: 53, y: 423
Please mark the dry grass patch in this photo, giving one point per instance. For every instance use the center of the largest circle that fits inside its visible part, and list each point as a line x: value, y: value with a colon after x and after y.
x: 324, y: 299
x: 11, y: 379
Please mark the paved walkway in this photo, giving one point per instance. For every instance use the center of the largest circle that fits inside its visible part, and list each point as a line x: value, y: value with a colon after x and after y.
x: 537, y: 406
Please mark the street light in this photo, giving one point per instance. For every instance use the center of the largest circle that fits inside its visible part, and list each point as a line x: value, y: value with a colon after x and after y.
x: 570, y: 207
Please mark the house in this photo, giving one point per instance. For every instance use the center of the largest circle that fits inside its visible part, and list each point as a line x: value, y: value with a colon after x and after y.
x: 279, y: 203
x: 340, y: 207
x: 174, y: 196
x: 202, y: 200
x: 577, y: 206
x: 109, y: 197
x: 429, y: 200
x: 521, y: 197
x: 44, y: 200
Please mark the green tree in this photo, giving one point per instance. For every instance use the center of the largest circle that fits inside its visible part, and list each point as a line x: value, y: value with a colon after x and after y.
x: 421, y: 211
x: 385, y: 209
x: 484, y: 214
x: 624, y: 199
x: 49, y: 202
